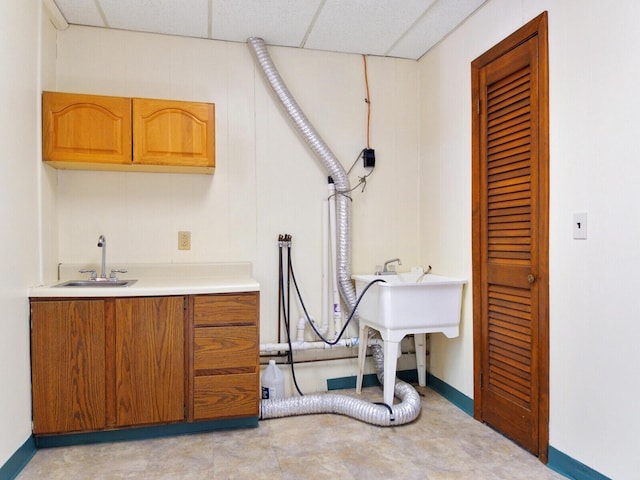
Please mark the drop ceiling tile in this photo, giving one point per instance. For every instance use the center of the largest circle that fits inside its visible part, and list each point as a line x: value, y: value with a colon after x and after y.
x: 364, y: 26
x: 278, y: 22
x: 80, y: 12
x: 186, y: 17
x: 442, y: 18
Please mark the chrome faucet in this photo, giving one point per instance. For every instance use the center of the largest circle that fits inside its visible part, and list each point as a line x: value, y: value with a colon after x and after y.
x: 385, y: 269
x: 102, y: 243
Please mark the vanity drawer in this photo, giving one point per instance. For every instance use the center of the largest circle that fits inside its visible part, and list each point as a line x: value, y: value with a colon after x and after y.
x: 225, y: 396
x: 226, y: 309
x: 225, y: 348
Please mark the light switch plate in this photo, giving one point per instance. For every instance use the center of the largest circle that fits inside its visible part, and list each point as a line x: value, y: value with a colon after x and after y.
x: 580, y: 226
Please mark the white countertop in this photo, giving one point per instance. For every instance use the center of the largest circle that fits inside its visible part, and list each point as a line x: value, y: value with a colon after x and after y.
x: 156, y: 280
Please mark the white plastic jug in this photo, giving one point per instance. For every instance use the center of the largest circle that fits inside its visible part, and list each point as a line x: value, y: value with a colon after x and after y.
x: 272, y: 382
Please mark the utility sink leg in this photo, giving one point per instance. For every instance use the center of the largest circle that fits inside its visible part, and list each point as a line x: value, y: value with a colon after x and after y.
x: 362, y: 354
x: 420, y: 340
x: 390, y: 365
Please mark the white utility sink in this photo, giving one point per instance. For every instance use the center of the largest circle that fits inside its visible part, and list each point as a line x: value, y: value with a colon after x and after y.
x: 433, y: 304
x: 404, y: 304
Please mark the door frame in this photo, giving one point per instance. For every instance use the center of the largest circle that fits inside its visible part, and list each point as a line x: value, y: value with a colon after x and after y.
x: 536, y: 27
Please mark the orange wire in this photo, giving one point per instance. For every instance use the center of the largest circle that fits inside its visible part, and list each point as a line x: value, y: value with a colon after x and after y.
x: 368, y: 99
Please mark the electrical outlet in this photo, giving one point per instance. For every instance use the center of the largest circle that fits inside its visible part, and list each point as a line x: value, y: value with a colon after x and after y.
x: 184, y: 240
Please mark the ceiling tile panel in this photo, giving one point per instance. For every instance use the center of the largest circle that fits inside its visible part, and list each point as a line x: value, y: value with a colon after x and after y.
x: 80, y: 12
x: 172, y: 17
x: 278, y: 22
x: 442, y: 18
x: 364, y: 26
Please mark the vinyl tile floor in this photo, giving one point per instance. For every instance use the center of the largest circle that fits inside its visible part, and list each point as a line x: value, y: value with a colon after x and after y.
x: 443, y: 443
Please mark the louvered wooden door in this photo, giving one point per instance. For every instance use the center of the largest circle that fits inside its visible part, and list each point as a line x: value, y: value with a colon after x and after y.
x: 510, y: 223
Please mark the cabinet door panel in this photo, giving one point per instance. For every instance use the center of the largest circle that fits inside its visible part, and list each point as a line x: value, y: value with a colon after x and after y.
x: 68, y: 364
x: 149, y: 360
x: 168, y: 132
x: 225, y: 396
x: 86, y: 128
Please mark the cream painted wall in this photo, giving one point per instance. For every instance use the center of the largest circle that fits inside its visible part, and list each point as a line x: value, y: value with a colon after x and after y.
x: 20, y: 51
x: 266, y: 182
x: 594, y: 168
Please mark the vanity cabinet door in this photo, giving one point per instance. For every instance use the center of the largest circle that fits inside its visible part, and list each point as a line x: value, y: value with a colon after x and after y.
x: 68, y: 365
x: 149, y: 360
x: 82, y: 129
x: 169, y: 132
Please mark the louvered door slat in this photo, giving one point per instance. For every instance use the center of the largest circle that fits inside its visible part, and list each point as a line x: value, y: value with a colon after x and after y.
x: 503, y: 126
x: 498, y: 87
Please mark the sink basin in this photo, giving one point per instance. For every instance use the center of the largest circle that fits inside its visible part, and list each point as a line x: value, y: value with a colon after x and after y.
x: 400, y: 305
x: 96, y: 283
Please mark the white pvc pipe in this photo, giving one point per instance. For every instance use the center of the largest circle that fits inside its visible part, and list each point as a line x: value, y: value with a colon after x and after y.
x: 326, y: 259
x: 295, y: 346
x: 337, y: 311
x: 301, y: 323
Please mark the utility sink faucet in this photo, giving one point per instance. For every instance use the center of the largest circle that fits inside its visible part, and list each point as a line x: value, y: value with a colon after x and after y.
x: 385, y: 269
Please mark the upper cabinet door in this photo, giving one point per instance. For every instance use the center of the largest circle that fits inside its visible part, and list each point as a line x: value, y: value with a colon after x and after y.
x: 86, y: 128
x: 170, y: 132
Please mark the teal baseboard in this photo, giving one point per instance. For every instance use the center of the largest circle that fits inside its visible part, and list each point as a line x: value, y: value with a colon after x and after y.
x: 18, y: 460
x: 368, y: 380
x: 455, y: 396
x: 570, y: 468
x: 141, y: 433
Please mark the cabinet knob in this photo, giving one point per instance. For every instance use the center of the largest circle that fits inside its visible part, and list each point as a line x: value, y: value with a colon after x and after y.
x: 531, y: 278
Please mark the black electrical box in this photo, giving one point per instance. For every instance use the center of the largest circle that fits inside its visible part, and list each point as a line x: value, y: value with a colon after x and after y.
x: 369, y: 157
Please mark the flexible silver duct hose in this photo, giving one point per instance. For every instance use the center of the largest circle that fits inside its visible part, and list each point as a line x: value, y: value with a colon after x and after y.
x: 328, y: 159
x: 375, y: 414
x: 381, y: 415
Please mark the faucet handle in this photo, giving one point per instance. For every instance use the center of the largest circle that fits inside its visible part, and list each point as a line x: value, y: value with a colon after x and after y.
x: 116, y: 270
x: 89, y: 270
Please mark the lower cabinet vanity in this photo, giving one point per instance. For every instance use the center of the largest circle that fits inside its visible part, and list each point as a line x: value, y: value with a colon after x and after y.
x: 109, y: 363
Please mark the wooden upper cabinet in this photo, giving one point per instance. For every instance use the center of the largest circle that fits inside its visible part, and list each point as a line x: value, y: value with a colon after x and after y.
x: 94, y: 132
x: 86, y: 129
x: 168, y: 132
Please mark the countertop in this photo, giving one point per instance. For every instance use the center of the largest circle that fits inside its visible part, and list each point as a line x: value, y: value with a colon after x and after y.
x: 156, y: 280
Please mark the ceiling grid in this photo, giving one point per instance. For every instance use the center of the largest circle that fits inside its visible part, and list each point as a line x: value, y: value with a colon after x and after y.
x: 392, y: 28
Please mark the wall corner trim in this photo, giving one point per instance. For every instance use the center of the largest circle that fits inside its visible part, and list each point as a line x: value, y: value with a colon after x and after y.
x: 55, y: 15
